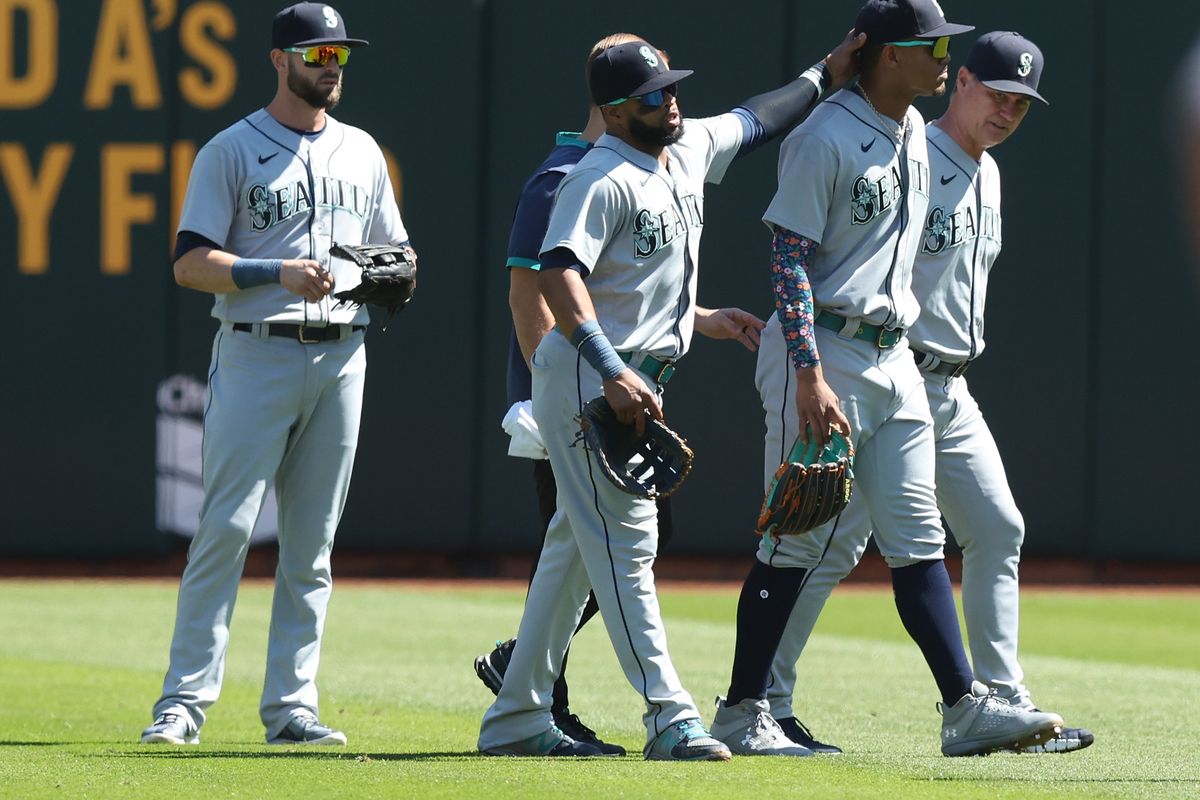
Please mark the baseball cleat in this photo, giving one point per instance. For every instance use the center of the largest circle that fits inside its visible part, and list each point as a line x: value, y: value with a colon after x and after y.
x: 686, y: 740
x: 491, y: 667
x: 571, y: 725
x: 748, y: 729
x: 170, y: 728
x: 982, y: 723
x: 307, y: 730
x: 1067, y: 741
x: 550, y: 742
x: 795, y: 730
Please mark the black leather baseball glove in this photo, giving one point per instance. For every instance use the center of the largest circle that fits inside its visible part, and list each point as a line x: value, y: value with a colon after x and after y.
x: 652, y: 465
x: 389, y: 274
x: 809, y: 489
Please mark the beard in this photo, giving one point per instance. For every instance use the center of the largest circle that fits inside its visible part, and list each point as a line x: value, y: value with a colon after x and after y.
x: 654, y: 136
x: 316, y: 96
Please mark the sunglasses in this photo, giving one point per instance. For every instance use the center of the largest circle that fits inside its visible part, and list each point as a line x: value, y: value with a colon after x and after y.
x: 319, y: 55
x: 653, y: 99
x: 940, y: 45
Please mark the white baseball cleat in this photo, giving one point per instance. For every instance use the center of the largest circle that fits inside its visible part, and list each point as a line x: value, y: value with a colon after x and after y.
x: 981, y: 723
x: 307, y: 730
x: 748, y: 729
x: 171, y: 728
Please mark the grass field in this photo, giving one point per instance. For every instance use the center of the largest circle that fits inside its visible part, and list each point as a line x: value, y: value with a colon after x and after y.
x: 81, y: 663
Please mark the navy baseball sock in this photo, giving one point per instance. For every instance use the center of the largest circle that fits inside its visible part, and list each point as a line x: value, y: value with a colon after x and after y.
x: 766, y: 602
x: 926, y: 605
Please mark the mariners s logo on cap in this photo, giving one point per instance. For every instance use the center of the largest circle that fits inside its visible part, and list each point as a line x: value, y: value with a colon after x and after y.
x: 1026, y: 65
x: 331, y: 20
x: 649, y: 55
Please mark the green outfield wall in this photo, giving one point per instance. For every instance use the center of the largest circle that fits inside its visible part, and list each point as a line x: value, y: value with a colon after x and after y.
x: 1092, y: 316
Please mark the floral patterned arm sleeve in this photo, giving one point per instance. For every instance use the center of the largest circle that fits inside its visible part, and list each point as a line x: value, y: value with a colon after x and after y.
x: 791, y: 257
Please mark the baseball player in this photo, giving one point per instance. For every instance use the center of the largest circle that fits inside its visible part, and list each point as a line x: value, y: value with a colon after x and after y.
x: 266, y: 199
x: 531, y: 322
x: 618, y: 273
x: 960, y: 242
x: 846, y: 223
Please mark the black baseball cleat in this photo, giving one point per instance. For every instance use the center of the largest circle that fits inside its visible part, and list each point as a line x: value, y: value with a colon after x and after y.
x: 795, y: 730
x: 491, y: 667
x: 570, y: 724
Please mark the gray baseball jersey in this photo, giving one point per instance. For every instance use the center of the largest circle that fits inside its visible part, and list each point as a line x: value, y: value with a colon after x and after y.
x: 636, y: 227
x: 960, y: 243
x: 252, y: 190
x: 840, y: 184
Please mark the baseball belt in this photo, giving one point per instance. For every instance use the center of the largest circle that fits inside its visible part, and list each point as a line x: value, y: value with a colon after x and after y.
x: 307, y: 334
x: 881, y: 337
x: 928, y: 362
x: 660, y: 369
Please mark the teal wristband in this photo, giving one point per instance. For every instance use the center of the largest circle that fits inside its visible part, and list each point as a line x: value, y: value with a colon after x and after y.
x: 247, y: 272
x: 595, y: 348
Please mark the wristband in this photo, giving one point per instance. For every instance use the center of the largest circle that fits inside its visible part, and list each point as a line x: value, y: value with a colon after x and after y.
x: 247, y: 272
x: 595, y: 348
x: 819, y: 74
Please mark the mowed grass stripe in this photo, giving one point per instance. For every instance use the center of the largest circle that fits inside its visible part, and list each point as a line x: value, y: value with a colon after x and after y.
x: 80, y: 663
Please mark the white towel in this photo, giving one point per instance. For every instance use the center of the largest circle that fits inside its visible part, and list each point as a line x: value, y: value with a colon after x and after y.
x: 522, y: 427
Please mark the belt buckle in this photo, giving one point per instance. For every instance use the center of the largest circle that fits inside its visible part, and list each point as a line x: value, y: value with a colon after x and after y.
x: 959, y: 369
x: 665, y: 371
x: 881, y: 340
x: 300, y: 335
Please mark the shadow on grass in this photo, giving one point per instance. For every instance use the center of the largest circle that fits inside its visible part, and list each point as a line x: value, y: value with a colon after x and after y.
x: 34, y: 744
x: 344, y: 755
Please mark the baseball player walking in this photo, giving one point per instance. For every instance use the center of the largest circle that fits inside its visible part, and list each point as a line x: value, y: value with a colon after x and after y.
x: 531, y: 322
x: 618, y: 273
x: 961, y: 242
x: 853, y: 188
x: 266, y: 199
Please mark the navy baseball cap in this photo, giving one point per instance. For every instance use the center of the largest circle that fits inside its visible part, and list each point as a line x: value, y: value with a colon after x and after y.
x: 308, y: 24
x: 630, y: 70
x: 1007, y: 62
x: 897, y: 20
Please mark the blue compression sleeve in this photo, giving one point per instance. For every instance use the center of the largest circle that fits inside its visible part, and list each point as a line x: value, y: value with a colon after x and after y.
x: 595, y: 348
x: 248, y: 272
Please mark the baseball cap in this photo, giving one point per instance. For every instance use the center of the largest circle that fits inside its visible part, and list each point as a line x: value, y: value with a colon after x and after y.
x: 897, y: 20
x: 629, y: 70
x: 1007, y: 62
x: 305, y: 24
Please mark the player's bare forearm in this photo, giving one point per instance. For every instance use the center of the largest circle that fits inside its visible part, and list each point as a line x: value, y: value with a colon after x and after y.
x: 791, y: 258
x: 817, y: 405
x: 566, y: 297
x: 532, y: 319
x: 208, y: 269
x: 729, y: 323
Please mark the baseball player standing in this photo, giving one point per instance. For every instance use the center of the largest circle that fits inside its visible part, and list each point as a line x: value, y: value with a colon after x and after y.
x: 961, y: 242
x: 846, y: 224
x: 266, y: 199
x: 618, y: 273
x: 531, y: 322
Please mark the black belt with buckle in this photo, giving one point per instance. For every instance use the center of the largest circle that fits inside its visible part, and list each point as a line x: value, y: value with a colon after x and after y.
x: 307, y: 334
x: 939, y: 367
x: 660, y: 369
x: 881, y: 337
